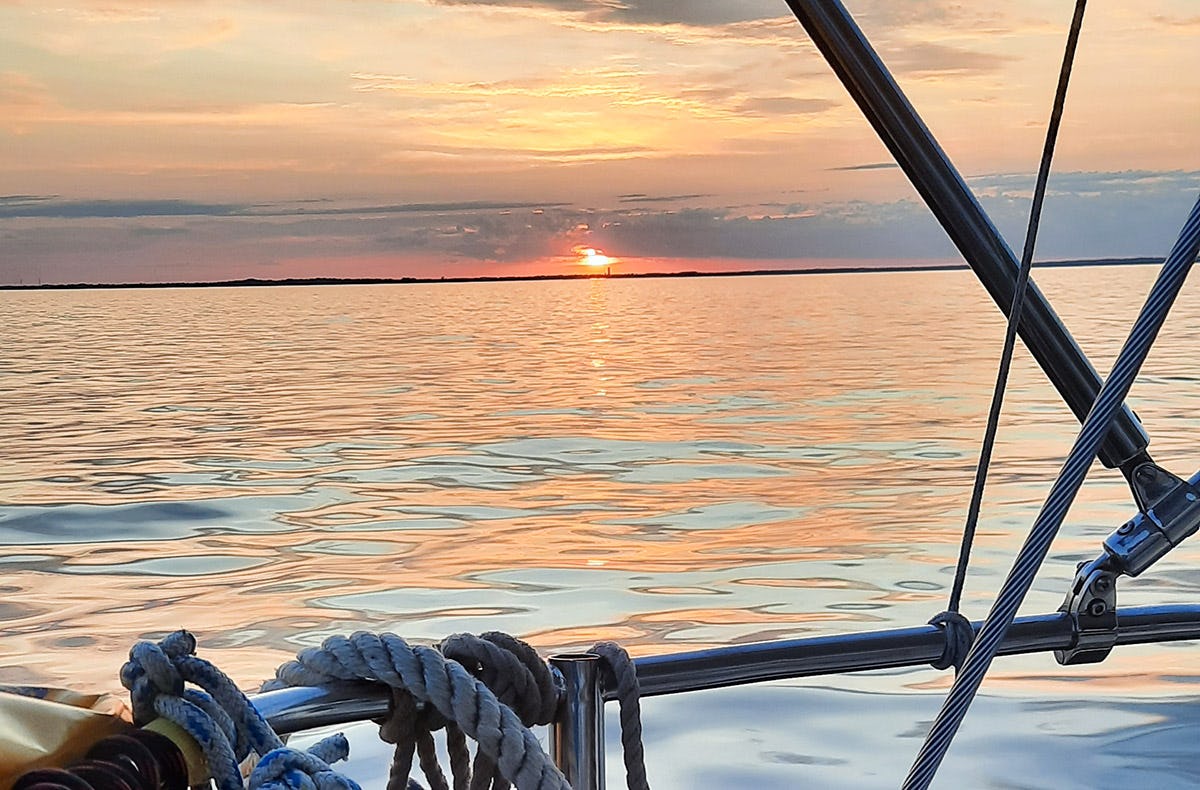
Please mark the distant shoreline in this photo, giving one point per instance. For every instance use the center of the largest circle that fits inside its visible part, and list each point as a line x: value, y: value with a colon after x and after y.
x: 255, y: 282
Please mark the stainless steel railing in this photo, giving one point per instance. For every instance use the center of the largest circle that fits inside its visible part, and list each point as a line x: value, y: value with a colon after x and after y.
x: 577, y: 738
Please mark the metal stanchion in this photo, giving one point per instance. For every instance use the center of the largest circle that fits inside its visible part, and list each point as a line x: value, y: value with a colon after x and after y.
x: 577, y: 734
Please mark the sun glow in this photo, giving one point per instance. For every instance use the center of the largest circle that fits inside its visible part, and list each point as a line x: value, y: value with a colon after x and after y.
x: 590, y: 256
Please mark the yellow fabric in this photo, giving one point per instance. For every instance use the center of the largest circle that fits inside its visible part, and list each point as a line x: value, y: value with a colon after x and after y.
x: 193, y: 755
x: 53, y: 727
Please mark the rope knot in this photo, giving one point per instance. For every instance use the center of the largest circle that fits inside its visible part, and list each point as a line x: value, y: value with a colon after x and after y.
x: 167, y: 680
x: 151, y: 671
x: 291, y: 769
x: 959, y: 636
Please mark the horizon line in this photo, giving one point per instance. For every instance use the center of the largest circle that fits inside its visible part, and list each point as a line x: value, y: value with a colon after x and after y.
x: 299, y: 281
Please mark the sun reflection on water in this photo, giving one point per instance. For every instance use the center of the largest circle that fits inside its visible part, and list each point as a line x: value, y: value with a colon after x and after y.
x: 671, y: 463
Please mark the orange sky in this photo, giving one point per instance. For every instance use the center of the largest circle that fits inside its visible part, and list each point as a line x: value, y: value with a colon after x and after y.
x: 169, y: 140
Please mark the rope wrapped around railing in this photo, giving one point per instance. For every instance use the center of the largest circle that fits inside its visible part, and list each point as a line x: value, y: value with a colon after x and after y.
x: 490, y: 688
x: 433, y: 680
x: 624, y: 675
x: 959, y: 635
x: 517, y: 675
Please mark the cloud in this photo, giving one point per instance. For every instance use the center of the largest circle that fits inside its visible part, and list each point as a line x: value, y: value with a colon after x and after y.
x: 642, y: 198
x: 159, y: 231
x: 701, y: 13
x: 62, y: 209
x: 785, y: 105
x: 1093, y: 214
x: 855, y: 230
x: 929, y: 59
x: 593, y: 111
x: 19, y: 199
x: 568, y: 6
x: 1127, y: 184
x: 944, y: 16
x: 23, y: 100
x: 84, y: 29
x: 868, y: 166
x: 694, y: 13
x: 519, y: 153
x: 76, y: 209
x: 1180, y: 25
x: 1087, y: 215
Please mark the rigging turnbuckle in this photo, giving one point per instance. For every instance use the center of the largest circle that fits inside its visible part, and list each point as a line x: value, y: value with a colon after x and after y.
x: 1169, y: 513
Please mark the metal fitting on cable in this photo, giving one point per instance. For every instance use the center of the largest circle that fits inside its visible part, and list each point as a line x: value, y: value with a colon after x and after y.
x: 1170, y: 513
x: 1161, y: 526
x: 1091, y: 604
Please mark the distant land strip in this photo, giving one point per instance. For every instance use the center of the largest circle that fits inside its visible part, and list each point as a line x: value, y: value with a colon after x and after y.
x: 255, y: 282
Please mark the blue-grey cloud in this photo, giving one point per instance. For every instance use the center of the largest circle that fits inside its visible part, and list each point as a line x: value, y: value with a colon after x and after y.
x: 487, y: 236
x: 888, y: 16
x: 868, y: 166
x: 18, y: 199
x: 794, y: 232
x: 1087, y: 215
x: 78, y: 209
x: 696, y: 13
x: 643, y: 198
x: 1093, y: 214
x: 63, y: 209
x: 1129, y: 183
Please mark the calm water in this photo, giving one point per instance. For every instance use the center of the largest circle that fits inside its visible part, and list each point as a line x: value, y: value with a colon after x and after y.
x: 669, y: 463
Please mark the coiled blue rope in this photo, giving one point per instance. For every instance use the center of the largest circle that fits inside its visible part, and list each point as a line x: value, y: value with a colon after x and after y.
x: 290, y: 769
x: 221, y: 719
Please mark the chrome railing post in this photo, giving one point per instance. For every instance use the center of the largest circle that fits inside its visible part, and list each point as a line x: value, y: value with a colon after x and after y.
x: 577, y: 733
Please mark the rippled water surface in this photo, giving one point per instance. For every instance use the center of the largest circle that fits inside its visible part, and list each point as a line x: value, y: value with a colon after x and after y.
x: 668, y: 463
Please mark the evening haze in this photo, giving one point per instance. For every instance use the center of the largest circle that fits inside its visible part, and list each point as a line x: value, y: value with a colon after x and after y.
x: 171, y: 141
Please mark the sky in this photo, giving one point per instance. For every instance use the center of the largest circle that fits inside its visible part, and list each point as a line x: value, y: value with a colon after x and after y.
x: 189, y: 140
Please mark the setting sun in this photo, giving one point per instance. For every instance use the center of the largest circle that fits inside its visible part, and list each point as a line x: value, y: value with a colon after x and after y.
x: 589, y: 256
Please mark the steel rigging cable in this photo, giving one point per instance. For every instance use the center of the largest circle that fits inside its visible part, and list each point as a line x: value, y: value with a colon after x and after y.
x: 1062, y: 494
x: 1014, y: 315
x: 1075, y: 468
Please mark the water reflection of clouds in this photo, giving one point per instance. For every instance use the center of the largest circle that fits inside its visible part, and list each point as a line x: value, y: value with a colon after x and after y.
x: 432, y: 466
x: 148, y: 521
x: 722, y: 515
x: 648, y: 606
